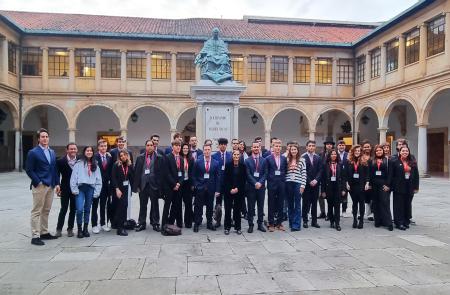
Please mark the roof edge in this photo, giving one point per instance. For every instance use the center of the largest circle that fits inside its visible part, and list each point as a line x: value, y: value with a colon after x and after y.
x: 306, y: 21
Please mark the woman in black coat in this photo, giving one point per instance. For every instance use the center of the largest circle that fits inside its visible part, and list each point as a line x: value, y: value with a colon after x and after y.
x: 234, y: 179
x: 357, y: 177
x: 186, y: 186
x: 121, y: 179
x: 405, y: 183
x: 380, y: 179
x: 333, y: 186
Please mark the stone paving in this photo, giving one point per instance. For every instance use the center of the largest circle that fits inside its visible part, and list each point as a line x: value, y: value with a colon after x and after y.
x: 312, y: 261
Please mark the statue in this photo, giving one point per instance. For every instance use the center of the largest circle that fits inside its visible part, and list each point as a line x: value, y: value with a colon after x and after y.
x: 214, y: 59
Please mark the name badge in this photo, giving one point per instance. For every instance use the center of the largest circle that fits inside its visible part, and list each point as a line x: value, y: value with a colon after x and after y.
x: 378, y: 173
x: 180, y: 173
x: 407, y: 175
x: 277, y: 172
x: 147, y: 171
x: 186, y: 176
x: 206, y: 176
x: 256, y: 174
x: 333, y: 178
x: 125, y: 183
x: 356, y: 175
x: 223, y: 168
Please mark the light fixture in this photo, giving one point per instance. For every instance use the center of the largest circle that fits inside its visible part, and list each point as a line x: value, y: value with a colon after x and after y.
x: 320, y: 120
x: 365, y: 119
x: 134, y: 117
x: 300, y: 121
x: 254, y: 118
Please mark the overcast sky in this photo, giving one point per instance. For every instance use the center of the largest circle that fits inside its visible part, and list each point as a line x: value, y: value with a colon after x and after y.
x: 346, y: 10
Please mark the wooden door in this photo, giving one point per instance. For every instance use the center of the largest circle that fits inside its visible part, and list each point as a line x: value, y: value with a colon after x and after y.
x: 435, y: 149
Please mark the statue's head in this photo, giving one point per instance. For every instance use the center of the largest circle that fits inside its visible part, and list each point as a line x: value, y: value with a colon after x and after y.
x: 215, y: 33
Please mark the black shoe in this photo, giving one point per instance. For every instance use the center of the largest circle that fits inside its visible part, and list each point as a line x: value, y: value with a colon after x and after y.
x: 321, y: 216
x: 48, y: 236
x: 315, y: 225
x: 295, y: 229
x: 80, y: 234
x: 355, y: 223
x: 227, y: 232
x: 218, y: 224
x: 122, y: 232
x: 156, y: 228
x: 262, y: 228
x: 188, y: 225
x: 305, y: 224
x: 86, y: 231
x: 37, y: 242
x: 211, y: 227
x: 361, y: 224
x: 250, y: 229
x: 140, y: 227
x: 338, y: 227
x: 331, y: 224
x: 377, y: 224
x: 326, y: 218
x: 391, y: 227
x: 180, y: 225
x: 239, y: 232
x: 400, y: 227
x: 406, y: 225
x: 195, y: 228
x: 370, y: 218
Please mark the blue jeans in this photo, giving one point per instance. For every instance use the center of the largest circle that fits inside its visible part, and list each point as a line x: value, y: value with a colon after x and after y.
x: 83, y: 202
x: 295, y: 208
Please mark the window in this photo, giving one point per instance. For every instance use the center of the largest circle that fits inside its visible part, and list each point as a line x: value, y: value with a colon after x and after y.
x: 85, y: 63
x: 345, y: 71
x: 12, y: 57
x: 161, y: 63
x: 185, y: 66
x: 257, y: 68
x: 302, y: 69
x: 323, y: 70
x: 58, y: 62
x: 110, y: 63
x: 237, y: 67
x: 412, y: 46
x: 361, y: 69
x: 279, y: 69
x: 32, y: 61
x: 375, y: 63
x: 436, y: 36
x: 136, y: 64
x: 392, y: 56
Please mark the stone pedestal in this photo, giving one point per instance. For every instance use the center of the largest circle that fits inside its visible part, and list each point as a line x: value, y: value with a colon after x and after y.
x: 217, y: 110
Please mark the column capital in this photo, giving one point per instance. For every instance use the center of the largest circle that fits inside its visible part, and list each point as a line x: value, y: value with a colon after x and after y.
x: 44, y: 48
x: 290, y: 57
x: 98, y: 50
x: 401, y: 36
x: 124, y: 129
x: 72, y: 129
x: 71, y: 48
x: 148, y: 52
x: 246, y: 55
x: 423, y: 25
x: 173, y: 52
x: 268, y: 56
x: 311, y: 131
x: 3, y: 38
x: 383, y: 129
x: 335, y: 59
x: 123, y: 51
x: 421, y: 125
x: 267, y: 130
x: 313, y: 58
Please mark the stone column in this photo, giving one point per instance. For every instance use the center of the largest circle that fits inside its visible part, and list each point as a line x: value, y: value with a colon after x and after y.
x: 423, y: 49
x: 268, y: 73
x: 199, y: 125
x: 267, y: 138
x: 236, y: 120
x: 72, y: 132
x: 312, y: 134
x: 368, y: 70
x: 4, y: 60
x: 172, y: 133
x: 422, y: 160
x: 245, y: 73
x: 312, y: 79
x: 124, y: 132
x: 447, y: 38
x: 123, y: 70
x: 334, y: 77
x: 401, y: 57
x: 173, y: 73
x: 98, y: 70
x: 198, y: 74
x: 71, y: 69
x: 291, y: 76
x: 383, y: 131
x: 383, y: 65
x: 17, y: 150
x: 44, y: 68
x: 148, y: 72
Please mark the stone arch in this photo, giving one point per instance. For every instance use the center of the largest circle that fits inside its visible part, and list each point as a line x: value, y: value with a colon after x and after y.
x: 13, y: 110
x: 329, y: 109
x: 290, y: 107
x: 172, y: 120
x: 257, y: 110
x: 188, y: 125
x: 38, y: 104
x: 428, y: 104
x: 391, y: 104
x: 290, y: 123
x: 96, y: 104
x: 360, y: 111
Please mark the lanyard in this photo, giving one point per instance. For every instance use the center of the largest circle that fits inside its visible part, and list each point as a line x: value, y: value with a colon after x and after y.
x: 406, y: 167
x: 177, y: 159
x: 125, y: 171
x: 186, y: 164
x: 206, y: 166
x: 333, y: 169
x: 148, y: 159
x: 355, y: 165
x: 256, y: 159
x: 277, y: 161
x: 379, y: 161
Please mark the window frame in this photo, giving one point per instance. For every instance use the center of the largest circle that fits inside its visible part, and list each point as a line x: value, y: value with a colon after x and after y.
x: 412, y: 51
x: 237, y: 63
x: 392, y: 55
x: 111, y: 63
x: 257, y: 68
x: 323, y: 70
x: 437, y: 40
x: 85, y: 58
x: 161, y: 67
x: 361, y: 69
x: 185, y: 66
x: 136, y: 64
x: 375, y: 63
x: 302, y: 69
x: 12, y: 57
x: 279, y: 67
x: 345, y: 71
x: 58, y: 59
x: 31, y: 59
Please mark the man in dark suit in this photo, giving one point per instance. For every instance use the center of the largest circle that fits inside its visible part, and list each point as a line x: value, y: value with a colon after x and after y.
x: 120, y: 142
x: 65, y: 165
x: 42, y: 170
x: 222, y: 156
x: 343, y: 157
x: 256, y: 186
x: 276, y: 186
x: 263, y: 150
x: 173, y: 179
x: 176, y: 136
x: 195, y: 152
x: 328, y: 145
x: 313, y: 175
x: 207, y: 186
x: 148, y: 177
x: 155, y: 139
x: 105, y: 163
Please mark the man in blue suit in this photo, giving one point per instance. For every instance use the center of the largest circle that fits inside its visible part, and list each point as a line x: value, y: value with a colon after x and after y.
x: 206, y: 185
x: 276, y: 180
x: 175, y: 137
x: 256, y: 186
x: 313, y: 174
x: 41, y: 168
x: 343, y: 155
x: 195, y: 152
x: 222, y: 157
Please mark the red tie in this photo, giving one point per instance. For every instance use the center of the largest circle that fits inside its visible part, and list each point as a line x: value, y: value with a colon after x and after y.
x: 207, y: 167
x: 104, y: 162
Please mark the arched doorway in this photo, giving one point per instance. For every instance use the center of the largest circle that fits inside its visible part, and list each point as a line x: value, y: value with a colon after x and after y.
x: 251, y: 125
x: 335, y: 124
x: 7, y: 138
x: 290, y: 125
x: 186, y: 124
x: 367, y: 125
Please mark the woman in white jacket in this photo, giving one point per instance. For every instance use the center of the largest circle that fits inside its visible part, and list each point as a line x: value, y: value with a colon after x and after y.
x: 86, y: 184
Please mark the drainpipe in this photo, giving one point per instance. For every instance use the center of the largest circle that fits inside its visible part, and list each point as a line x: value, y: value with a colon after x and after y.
x: 20, y: 106
x: 354, y: 98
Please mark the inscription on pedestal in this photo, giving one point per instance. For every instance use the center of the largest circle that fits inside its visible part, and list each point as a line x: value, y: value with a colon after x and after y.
x: 218, y: 123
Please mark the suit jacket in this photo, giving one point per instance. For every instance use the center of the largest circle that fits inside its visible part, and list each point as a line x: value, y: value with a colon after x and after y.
x: 218, y: 157
x: 190, y: 171
x: 115, y: 155
x: 399, y: 183
x: 343, y: 161
x: 251, y: 169
x: 228, y: 177
x: 40, y: 170
x: 65, y: 172
x: 313, y: 170
x: 118, y: 177
x: 326, y: 182
x: 171, y: 177
x: 105, y: 172
x: 200, y: 183
x: 265, y: 153
x: 386, y: 169
x: 159, y: 171
x: 199, y: 154
x: 272, y: 179
x: 357, y: 184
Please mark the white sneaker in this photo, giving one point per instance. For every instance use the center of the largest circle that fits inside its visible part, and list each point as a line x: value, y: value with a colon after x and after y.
x: 106, y: 228
x: 96, y: 229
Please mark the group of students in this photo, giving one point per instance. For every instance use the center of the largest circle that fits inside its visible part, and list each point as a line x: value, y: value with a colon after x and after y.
x: 104, y: 181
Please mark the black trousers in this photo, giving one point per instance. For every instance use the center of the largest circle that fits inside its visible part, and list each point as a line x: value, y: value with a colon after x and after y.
x: 187, y: 195
x: 275, y: 203
x: 381, y: 205
x: 402, y: 208
x: 172, y: 208
x: 358, y: 200
x: 105, y: 201
x: 233, y: 202
x: 322, y: 205
x: 66, y: 201
x: 309, y: 202
x: 120, y: 213
x: 255, y: 197
x: 334, y: 205
x: 203, y: 198
x: 153, y: 195
x: 345, y: 202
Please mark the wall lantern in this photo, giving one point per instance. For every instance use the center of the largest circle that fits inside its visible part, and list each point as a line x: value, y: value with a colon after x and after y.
x: 365, y: 119
x: 254, y: 118
x: 134, y: 117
